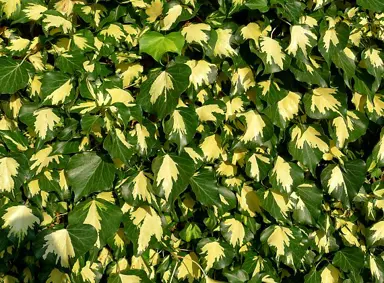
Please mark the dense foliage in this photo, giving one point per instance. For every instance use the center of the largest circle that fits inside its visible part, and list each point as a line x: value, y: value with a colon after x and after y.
x: 191, y: 141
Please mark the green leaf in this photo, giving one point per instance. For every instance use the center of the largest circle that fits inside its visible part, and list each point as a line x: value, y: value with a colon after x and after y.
x: 57, y: 88
x: 373, y: 5
x: 156, y: 44
x: 14, y: 75
x: 88, y: 173
x: 204, y: 186
x: 349, y: 259
x: 118, y: 146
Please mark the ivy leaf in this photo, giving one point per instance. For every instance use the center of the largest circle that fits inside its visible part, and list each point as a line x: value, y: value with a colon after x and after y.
x: 344, y: 182
x: 118, y: 146
x: 88, y: 173
x: 160, y: 93
x: 204, y: 186
x: 373, y: 5
x: 57, y: 88
x: 13, y: 75
x: 349, y: 259
x: 156, y: 44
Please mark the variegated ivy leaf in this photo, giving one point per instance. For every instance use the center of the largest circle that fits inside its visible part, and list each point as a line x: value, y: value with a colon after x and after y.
x: 344, y: 182
x: 171, y: 175
x: 237, y: 5
x: 137, y: 188
x: 88, y: 173
x: 112, y: 33
x: 334, y: 37
x: 221, y: 41
x: 14, y: 140
x: 211, y: 111
x: 144, y: 136
x: 257, y: 166
x: 159, y: 94
x: 374, y: 61
x: 349, y: 128
x: 9, y: 8
x: 286, y: 110
x: 242, y: 80
x: 141, y: 226
x: 307, y: 145
x: 63, y: 245
x: 285, y: 175
x: 196, y: 33
x: 132, y: 276
x: 325, y: 103
x: 57, y: 88
x: 104, y: 216
x: 258, y: 128
x: 279, y: 238
x: 308, y: 206
x: 17, y: 220
x: 118, y: 146
x: 214, y: 254
x: 91, y: 14
x: 181, y: 126
x: 54, y: 20
x: 203, y: 73
x: 234, y: 232
x: 272, y: 54
x: 302, y: 41
x: 13, y: 173
x: 275, y: 203
x: 156, y: 44
x: 378, y: 152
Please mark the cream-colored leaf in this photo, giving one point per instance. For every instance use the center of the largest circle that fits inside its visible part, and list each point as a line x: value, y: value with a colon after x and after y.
x: 18, y: 219
x: 205, y: 112
x: 288, y: 107
x: 193, y: 154
x: 173, y: 13
x: 188, y: 268
x: 213, y: 252
x: 142, y: 188
x: 223, y: 46
x: 323, y: 100
x: 279, y: 239
x: 149, y: 224
x: 376, y: 271
x: 59, y: 95
x: 34, y: 11
x: 300, y: 38
x: 56, y: 276
x: 9, y: 169
x: 237, y: 231
x: 342, y: 133
x: 9, y: 7
x: 336, y: 180
x: 15, y: 104
x: 249, y: 201
x: 160, y: 87
x: 311, y: 137
x: 154, y: 10
x: 203, y: 73
x: 142, y: 133
x: 129, y: 278
x: 251, y: 31
x: 254, y: 169
x: 377, y: 231
x: 65, y: 6
x: 167, y: 175
x: 129, y: 72
x: 330, y: 274
x: 211, y: 147
x: 18, y: 44
x: 42, y: 159
x: 282, y: 202
x: 120, y: 95
x: 308, y: 20
x: 373, y: 55
x: 243, y: 78
x: 273, y: 50
x: 37, y: 61
x: 254, y: 126
x: 60, y: 244
x: 330, y: 36
x: 377, y: 105
x: 93, y: 217
x: 178, y: 123
x: 196, y: 33
x: 46, y: 120
x: 80, y: 41
x: 114, y: 31
x: 57, y: 22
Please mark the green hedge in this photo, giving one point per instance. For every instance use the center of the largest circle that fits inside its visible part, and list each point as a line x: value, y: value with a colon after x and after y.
x: 191, y: 141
